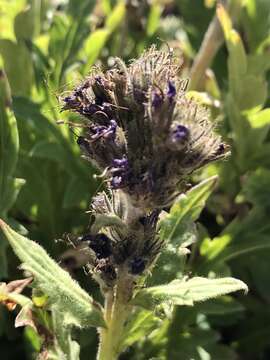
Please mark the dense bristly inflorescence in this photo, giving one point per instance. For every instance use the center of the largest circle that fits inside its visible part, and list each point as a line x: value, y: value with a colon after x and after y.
x: 146, y: 137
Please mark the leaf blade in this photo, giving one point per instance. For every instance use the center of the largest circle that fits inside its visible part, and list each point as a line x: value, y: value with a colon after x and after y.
x: 187, y: 292
x: 62, y: 290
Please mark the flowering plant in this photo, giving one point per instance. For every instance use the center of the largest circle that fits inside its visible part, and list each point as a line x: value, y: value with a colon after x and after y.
x: 146, y: 136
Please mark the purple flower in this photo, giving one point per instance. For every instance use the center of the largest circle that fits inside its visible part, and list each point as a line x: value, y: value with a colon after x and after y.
x: 71, y: 102
x: 171, y: 90
x: 120, y: 171
x: 122, y: 163
x: 137, y: 265
x: 117, y: 182
x: 90, y: 109
x: 180, y: 133
x: 107, y: 132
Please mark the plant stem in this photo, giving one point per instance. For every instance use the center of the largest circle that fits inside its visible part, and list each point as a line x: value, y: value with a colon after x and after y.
x: 116, y: 310
x: 212, y: 41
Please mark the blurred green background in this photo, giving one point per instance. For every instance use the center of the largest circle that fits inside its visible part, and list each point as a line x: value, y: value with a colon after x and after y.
x: 47, y: 47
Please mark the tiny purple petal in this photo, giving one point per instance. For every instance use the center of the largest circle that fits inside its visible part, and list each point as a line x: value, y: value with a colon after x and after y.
x: 90, y: 109
x: 71, y: 101
x: 122, y: 163
x: 111, y: 130
x: 116, y: 182
x: 171, y: 90
x: 156, y: 100
x: 107, y: 132
x: 180, y: 133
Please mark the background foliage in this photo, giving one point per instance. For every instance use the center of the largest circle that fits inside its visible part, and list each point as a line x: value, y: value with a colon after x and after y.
x: 47, y: 46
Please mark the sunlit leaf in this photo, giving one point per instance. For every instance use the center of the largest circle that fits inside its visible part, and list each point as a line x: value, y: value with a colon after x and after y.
x: 64, y: 293
x: 187, y: 292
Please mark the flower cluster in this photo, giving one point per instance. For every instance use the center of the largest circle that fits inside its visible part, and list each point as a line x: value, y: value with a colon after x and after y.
x: 147, y: 137
x: 143, y: 130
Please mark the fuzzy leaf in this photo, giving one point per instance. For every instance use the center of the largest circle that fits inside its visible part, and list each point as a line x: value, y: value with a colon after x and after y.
x: 187, y: 292
x: 187, y: 207
x: 177, y: 228
x: 64, y: 293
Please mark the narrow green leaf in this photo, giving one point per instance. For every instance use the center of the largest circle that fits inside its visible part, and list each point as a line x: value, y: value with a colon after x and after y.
x: 9, y: 147
x: 187, y: 292
x: 64, y: 293
x: 153, y: 19
x: 13, y: 187
x: 24, y: 24
x: 18, y: 66
x: 94, y: 45
x: 96, y: 41
x: 116, y: 16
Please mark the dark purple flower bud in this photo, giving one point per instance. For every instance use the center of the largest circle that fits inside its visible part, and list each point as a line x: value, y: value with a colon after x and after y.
x: 107, y: 269
x: 99, y: 80
x: 111, y: 131
x: 180, y: 133
x: 90, y: 109
x: 71, y: 102
x: 171, y: 90
x: 137, y: 266
x: 78, y: 92
x: 100, y: 244
x: 122, y: 163
x: 157, y: 100
x: 220, y: 150
x: 106, y: 107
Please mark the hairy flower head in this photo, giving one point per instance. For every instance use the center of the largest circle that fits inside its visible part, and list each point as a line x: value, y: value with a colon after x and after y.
x: 142, y: 130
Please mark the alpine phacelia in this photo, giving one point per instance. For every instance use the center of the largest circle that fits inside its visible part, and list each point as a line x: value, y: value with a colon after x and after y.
x: 142, y: 129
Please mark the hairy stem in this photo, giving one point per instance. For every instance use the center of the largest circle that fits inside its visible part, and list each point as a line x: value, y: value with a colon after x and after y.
x: 117, y: 309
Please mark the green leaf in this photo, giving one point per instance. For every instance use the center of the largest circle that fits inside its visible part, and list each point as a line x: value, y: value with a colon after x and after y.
x: 94, y: 45
x: 24, y: 24
x: 65, y: 346
x: 97, y: 40
x: 186, y: 208
x: 3, y: 257
x: 56, y: 152
x: 153, y: 19
x: 187, y: 292
x: 177, y: 228
x: 223, y: 306
x: 141, y: 324
x: 65, y: 295
x: 116, y: 17
x: 18, y: 66
x: 9, y: 147
x: 13, y: 187
x: 77, y: 191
